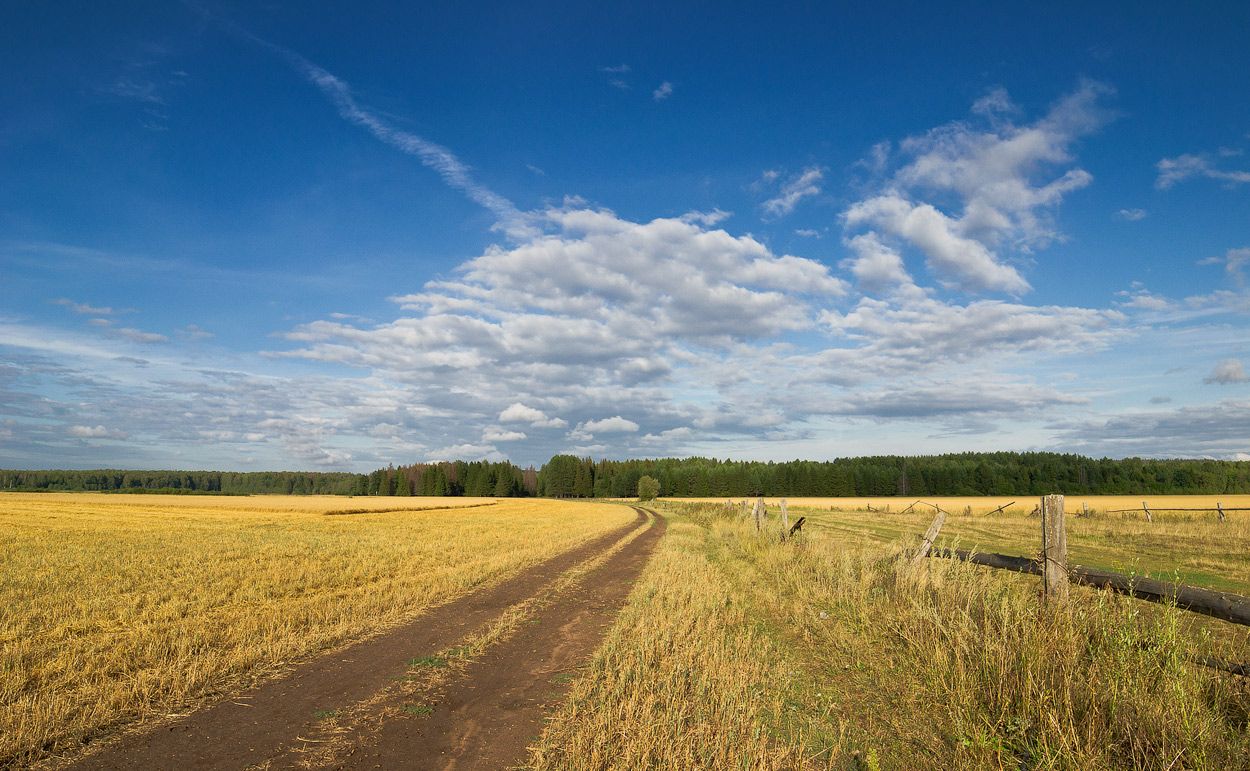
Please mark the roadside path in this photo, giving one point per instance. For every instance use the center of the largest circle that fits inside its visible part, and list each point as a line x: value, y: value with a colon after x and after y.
x: 257, y: 728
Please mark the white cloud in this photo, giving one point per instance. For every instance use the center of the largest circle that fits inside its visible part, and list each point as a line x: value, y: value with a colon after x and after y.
x: 445, y: 163
x: 803, y: 185
x: 1132, y: 215
x: 139, y: 336
x: 960, y: 262
x: 499, y: 435
x: 96, y: 432
x: 193, y: 333
x: 519, y: 413
x: 90, y: 310
x: 999, y: 175
x: 609, y: 425
x: 876, y: 266
x: 1227, y: 372
x: 662, y: 92
x: 1182, y: 167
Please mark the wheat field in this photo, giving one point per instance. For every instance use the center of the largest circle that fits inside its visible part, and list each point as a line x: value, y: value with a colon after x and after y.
x: 116, y: 609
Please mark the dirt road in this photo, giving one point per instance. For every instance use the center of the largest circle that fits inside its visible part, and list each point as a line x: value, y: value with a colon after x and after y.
x: 400, y: 700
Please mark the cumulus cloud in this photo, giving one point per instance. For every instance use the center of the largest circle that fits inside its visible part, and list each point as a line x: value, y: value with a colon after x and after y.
x: 1002, y: 181
x: 519, y: 413
x: 1227, y: 372
x: 662, y: 92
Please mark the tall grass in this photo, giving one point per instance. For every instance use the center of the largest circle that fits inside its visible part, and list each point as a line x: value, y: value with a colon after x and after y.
x: 115, y: 610
x: 688, y: 678
x: 992, y: 677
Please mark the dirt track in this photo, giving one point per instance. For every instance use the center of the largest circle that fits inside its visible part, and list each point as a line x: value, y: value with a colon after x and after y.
x: 479, y: 715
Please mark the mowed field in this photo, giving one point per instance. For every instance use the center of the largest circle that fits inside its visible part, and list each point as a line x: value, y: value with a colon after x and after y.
x: 116, y: 609
x: 733, y: 649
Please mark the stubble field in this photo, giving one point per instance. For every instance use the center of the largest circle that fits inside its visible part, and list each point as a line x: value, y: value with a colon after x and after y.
x: 733, y: 650
x: 120, y: 609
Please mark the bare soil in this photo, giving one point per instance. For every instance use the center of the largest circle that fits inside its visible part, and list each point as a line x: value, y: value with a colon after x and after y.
x: 484, y: 715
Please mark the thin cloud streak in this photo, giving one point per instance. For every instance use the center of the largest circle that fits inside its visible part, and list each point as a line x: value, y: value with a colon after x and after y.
x: 512, y: 221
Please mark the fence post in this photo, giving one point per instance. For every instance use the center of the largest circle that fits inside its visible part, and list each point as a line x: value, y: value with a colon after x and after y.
x: 759, y: 511
x: 1146, y: 509
x: 1085, y: 508
x: 1220, y: 509
x: 930, y: 536
x: 785, y: 517
x: 1054, y: 550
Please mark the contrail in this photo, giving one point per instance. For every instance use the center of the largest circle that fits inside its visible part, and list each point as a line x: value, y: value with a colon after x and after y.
x: 512, y: 221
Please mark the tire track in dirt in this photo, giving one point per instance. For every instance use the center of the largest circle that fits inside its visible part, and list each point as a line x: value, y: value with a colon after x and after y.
x: 487, y: 718
x: 249, y: 728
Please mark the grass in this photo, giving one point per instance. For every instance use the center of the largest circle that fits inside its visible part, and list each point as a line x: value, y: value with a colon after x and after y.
x: 115, y: 610
x: 734, y: 650
x: 737, y: 651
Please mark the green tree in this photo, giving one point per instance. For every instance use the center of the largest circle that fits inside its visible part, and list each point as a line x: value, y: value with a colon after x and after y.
x: 648, y: 488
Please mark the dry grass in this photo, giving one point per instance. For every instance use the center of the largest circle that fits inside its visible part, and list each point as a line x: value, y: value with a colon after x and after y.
x: 688, y: 678
x: 115, y: 610
x: 738, y: 651
x: 986, y: 503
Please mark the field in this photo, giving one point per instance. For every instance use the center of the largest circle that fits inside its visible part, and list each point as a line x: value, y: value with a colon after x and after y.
x: 118, y: 609
x: 731, y: 650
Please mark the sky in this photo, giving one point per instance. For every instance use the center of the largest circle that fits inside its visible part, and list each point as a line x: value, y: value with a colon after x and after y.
x: 260, y: 236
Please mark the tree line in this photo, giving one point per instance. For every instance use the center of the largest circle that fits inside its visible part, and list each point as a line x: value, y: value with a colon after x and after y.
x: 973, y: 473
x: 203, y: 482
x: 483, y: 479
x: 570, y: 476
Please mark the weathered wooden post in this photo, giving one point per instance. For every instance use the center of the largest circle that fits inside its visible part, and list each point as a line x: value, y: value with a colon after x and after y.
x: 1084, y: 509
x: 759, y: 511
x: 785, y: 517
x: 1220, y: 509
x: 930, y: 536
x: 1146, y: 509
x: 744, y: 508
x: 1054, y: 550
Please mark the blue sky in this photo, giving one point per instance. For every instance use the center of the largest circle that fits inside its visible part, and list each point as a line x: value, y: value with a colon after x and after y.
x: 332, y: 236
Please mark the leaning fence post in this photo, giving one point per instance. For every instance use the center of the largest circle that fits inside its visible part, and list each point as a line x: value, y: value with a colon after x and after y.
x: 1054, y: 550
x: 1146, y: 509
x: 930, y: 536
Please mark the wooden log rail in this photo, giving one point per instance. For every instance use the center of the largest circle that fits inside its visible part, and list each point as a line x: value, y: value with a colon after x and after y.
x: 1217, y: 507
x: 1233, y: 608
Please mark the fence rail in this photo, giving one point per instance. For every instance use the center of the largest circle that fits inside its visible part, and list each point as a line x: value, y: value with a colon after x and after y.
x: 1222, y: 605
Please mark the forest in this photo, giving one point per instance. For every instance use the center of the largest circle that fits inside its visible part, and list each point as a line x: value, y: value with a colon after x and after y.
x: 997, y: 473
x: 570, y: 476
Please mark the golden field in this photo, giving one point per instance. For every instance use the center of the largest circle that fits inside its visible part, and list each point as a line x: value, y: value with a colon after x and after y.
x: 118, y: 608
x: 1193, y: 547
x: 1018, y: 503
x: 739, y: 651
